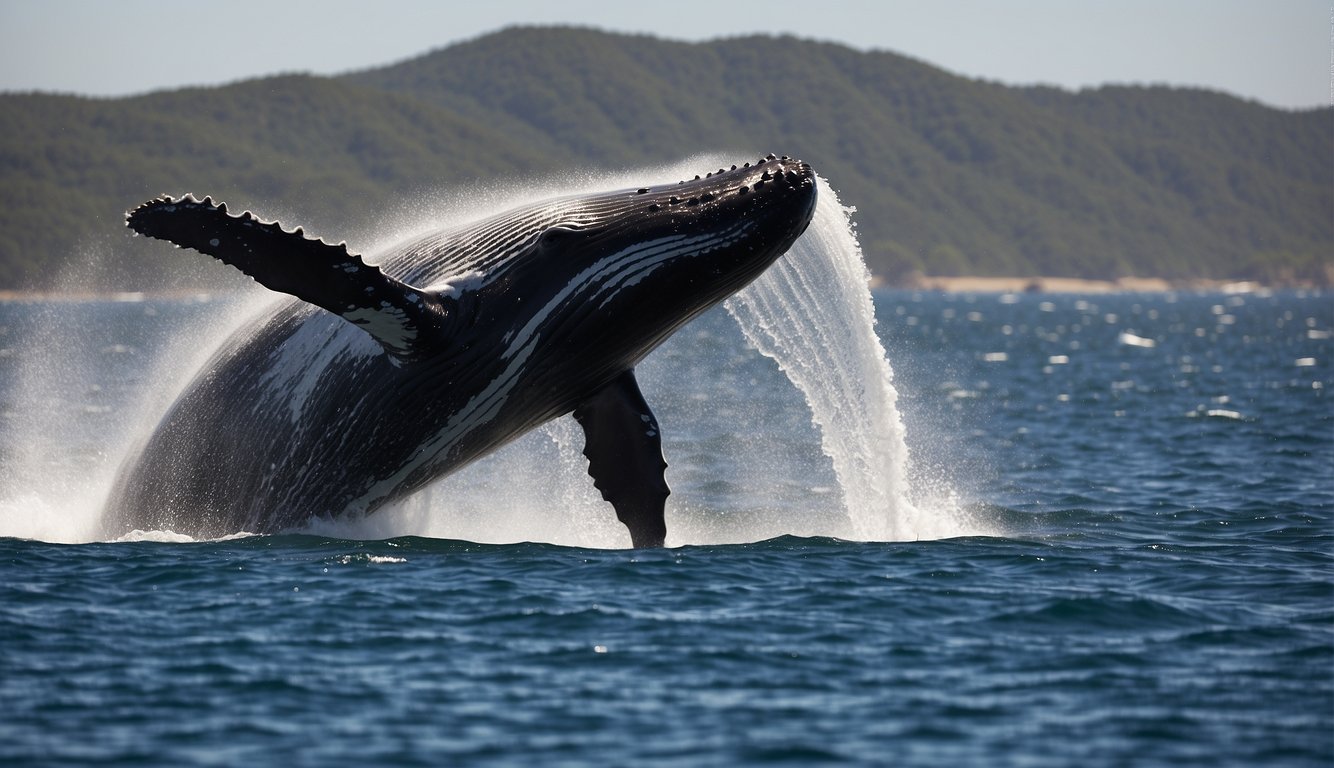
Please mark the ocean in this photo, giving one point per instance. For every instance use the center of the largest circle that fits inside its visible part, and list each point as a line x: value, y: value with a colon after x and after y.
x: 976, y: 529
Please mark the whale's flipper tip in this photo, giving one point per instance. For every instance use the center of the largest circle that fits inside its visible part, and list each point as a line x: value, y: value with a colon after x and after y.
x: 624, y: 450
x: 395, y: 314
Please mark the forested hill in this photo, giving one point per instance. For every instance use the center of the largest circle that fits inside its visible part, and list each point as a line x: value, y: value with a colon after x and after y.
x: 949, y: 175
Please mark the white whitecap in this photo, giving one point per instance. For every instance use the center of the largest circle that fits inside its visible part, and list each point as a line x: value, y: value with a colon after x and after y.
x: 1131, y: 340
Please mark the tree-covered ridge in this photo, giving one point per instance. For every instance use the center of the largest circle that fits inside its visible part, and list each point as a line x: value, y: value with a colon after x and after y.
x: 949, y: 175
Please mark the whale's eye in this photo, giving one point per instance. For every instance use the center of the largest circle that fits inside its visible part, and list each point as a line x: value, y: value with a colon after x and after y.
x: 554, y: 235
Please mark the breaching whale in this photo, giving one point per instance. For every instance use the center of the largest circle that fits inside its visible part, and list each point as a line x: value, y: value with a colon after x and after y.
x: 376, y: 380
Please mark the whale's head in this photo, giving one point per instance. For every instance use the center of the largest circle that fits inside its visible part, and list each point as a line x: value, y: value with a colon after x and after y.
x: 621, y: 271
x: 714, y: 233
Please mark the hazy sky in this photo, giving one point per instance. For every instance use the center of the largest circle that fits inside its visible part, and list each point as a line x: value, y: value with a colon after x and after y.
x: 1276, y: 51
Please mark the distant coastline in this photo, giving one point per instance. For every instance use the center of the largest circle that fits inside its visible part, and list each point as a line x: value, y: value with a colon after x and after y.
x: 974, y: 284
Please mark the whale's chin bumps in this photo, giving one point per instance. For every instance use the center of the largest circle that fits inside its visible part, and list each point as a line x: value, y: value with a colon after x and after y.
x: 376, y: 380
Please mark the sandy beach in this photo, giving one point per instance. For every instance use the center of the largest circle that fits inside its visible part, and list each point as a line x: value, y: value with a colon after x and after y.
x: 1067, y: 285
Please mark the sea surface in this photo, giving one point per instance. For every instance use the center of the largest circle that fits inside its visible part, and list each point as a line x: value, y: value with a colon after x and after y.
x: 1121, y: 552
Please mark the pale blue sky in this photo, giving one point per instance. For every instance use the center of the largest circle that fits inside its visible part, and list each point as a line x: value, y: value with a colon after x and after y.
x: 1274, y: 51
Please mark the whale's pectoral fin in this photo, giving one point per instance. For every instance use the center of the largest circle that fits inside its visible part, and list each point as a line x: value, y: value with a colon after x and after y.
x: 624, y: 450
x: 399, y: 316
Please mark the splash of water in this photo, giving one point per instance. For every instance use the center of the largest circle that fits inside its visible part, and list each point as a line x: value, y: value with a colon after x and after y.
x: 68, y: 429
x: 811, y: 313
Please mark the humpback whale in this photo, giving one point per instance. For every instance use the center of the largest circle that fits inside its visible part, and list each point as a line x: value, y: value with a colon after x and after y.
x: 374, y: 380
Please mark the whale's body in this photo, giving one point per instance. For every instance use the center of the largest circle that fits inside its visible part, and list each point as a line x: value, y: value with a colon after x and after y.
x: 366, y: 387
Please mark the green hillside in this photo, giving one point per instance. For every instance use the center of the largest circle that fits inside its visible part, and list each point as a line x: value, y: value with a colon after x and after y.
x: 949, y: 175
